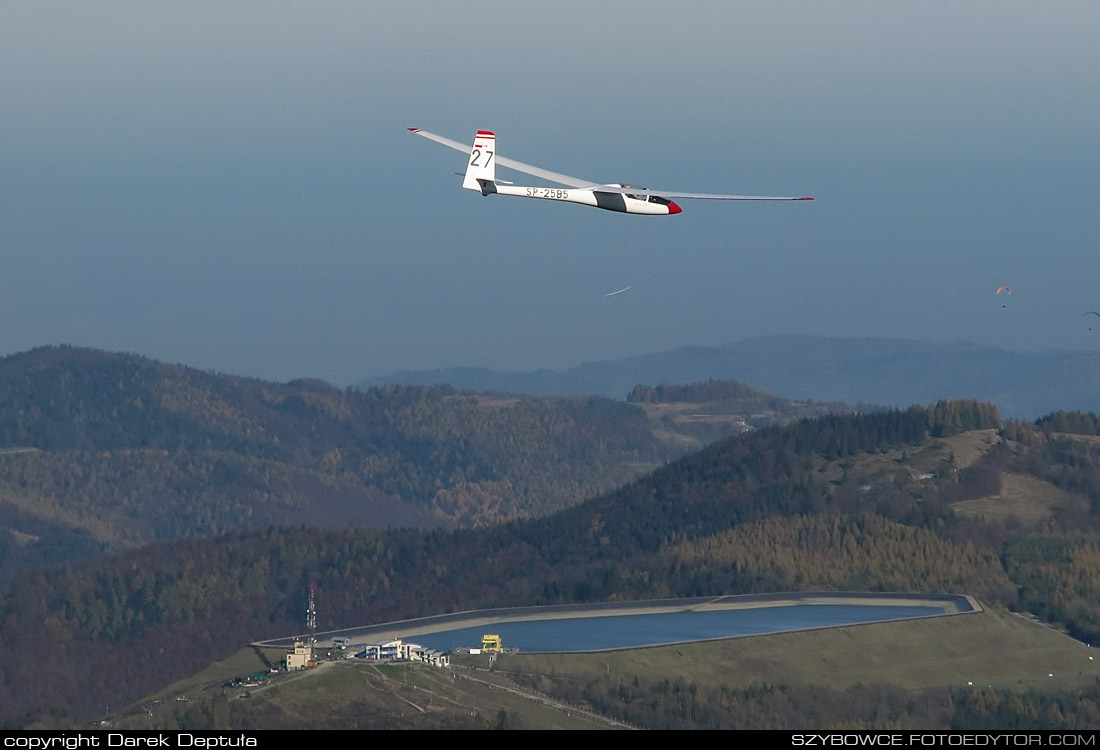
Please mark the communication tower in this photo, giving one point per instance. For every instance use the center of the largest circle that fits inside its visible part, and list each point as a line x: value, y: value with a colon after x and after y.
x: 311, y: 619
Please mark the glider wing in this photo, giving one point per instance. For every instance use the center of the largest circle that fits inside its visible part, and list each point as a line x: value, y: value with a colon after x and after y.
x: 563, y: 179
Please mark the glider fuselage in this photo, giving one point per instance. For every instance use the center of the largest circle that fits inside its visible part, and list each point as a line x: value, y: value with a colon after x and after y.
x: 622, y: 202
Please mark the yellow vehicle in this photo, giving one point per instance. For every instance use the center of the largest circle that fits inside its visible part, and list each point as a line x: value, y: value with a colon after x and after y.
x: 490, y: 642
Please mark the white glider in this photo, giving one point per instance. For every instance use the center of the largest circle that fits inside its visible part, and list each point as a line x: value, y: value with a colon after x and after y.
x: 481, y: 176
x: 612, y: 294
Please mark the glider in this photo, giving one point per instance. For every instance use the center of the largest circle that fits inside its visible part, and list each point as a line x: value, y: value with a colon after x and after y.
x: 612, y: 294
x: 481, y: 176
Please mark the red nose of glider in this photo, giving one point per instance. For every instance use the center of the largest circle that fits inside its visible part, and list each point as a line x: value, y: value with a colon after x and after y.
x: 673, y: 208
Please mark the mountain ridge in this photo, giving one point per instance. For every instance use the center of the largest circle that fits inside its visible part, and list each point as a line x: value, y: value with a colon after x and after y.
x: 886, y: 372
x: 101, y: 451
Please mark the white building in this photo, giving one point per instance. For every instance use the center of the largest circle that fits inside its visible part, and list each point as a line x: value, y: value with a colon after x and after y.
x: 301, y: 657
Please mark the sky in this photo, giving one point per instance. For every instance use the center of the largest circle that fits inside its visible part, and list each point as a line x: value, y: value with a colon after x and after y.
x: 231, y: 186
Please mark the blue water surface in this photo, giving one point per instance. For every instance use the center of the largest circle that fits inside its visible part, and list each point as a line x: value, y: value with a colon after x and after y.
x: 633, y: 631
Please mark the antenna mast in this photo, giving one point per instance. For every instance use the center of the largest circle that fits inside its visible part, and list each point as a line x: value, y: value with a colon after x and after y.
x: 311, y: 619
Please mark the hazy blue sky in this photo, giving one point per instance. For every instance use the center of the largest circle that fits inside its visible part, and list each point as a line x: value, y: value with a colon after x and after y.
x: 231, y: 185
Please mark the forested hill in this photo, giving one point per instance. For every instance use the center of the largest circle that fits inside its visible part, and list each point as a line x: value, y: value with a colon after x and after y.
x: 117, y: 449
x: 924, y: 499
x: 101, y: 451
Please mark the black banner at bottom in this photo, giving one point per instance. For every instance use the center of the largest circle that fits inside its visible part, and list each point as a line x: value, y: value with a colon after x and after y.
x: 76, y: 740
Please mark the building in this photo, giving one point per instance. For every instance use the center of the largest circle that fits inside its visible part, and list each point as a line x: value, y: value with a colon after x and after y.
x: 397, y: 649
x: 301, y: 658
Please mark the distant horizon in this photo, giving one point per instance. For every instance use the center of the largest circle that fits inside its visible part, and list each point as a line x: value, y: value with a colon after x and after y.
x: 762, y: 337
x: 559, y: 370
x: 234, y: 185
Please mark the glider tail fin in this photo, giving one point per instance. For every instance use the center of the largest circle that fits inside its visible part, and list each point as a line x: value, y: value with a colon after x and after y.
x: 481, y: 171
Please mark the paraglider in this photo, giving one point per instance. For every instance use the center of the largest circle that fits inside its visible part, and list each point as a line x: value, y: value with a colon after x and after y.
x: 1090, y: 312
x: 1006, y: 290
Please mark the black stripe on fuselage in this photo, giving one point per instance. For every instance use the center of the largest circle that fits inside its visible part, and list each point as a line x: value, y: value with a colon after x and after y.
x: 610, y: 201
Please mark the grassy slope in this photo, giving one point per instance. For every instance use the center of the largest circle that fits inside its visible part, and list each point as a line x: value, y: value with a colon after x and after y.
x: 992, y: 647
x: 987, y: 648
x: 365, y: 694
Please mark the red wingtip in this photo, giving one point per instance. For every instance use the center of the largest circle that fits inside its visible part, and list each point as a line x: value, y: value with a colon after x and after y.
x: 414, y: 130
x: 673, y: 208
x: 805, y: 199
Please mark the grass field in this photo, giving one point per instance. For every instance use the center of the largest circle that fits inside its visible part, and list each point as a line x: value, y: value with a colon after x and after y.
x: 988, y: 648
x: 358, y: 694
x: 1026, y: 499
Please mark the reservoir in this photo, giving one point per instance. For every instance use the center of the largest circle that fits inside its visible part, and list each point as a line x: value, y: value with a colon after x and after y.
x: 601, y: 633
x: 601, y: 626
